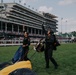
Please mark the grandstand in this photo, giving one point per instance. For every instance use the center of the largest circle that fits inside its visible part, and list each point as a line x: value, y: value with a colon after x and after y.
x: 15, y: 18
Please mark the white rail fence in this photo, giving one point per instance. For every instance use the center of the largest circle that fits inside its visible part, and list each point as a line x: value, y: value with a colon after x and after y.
x: 10, y: 42
x: 19, y: 42
x: 15, y: 42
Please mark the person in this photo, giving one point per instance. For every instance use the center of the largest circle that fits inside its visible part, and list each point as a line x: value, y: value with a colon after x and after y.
x: 49, y: 46
x: 26, y: 43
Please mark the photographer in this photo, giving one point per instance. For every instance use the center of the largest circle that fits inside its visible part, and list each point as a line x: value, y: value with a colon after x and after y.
x: 49, y: 43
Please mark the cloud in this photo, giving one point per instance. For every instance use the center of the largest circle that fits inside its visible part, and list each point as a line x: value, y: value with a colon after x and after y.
x: 67, y: 2
x: 45, y: 9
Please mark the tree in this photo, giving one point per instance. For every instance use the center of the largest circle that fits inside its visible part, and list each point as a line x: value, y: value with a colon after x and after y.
x: 73, y: 33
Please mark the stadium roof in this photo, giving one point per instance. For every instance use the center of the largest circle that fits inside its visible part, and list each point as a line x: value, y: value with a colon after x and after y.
x: 51, y: 15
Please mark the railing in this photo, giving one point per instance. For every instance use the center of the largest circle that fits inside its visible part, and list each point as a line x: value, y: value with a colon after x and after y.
x: 15, y: 42
x: 10, y: 42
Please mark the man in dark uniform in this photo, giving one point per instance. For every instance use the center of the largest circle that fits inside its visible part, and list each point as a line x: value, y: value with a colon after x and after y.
x: 26, y: 43
x: 49, y: 42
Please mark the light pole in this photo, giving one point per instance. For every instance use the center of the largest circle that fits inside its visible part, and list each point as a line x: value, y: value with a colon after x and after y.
x: 66, y: 26
x: 61, y: 25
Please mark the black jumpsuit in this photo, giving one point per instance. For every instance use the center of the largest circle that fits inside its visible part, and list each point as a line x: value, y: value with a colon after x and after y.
x: 26, y: 41
x: 49, y: 42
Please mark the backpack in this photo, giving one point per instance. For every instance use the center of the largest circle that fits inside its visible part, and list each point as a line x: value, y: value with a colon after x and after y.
x: 56, y: 43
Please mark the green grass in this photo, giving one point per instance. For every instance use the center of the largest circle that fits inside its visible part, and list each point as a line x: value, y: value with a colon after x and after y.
x: 65, y: 56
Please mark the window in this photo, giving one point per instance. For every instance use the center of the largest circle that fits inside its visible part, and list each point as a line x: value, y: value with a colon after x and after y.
x: 1, y: 7
x: 36, y: 31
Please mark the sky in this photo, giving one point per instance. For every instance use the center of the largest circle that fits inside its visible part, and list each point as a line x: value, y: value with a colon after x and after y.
x: 65, y: 10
